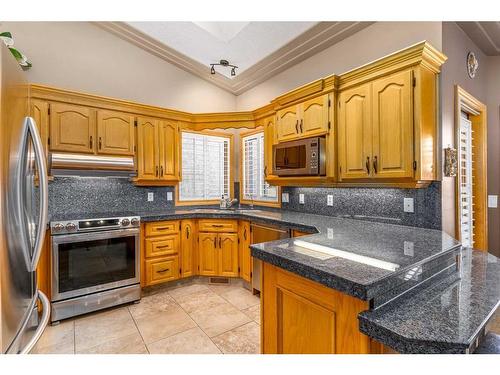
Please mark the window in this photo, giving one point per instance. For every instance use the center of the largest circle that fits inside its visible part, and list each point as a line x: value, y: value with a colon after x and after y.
x: 255, y: 188
x: 466, y: 182
x: 205, y: 167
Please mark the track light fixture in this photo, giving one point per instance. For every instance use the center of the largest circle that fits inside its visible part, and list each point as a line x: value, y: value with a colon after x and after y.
x: 224, y: 63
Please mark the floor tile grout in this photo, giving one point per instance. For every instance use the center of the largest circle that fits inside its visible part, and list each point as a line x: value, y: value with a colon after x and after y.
x: 138, y: 330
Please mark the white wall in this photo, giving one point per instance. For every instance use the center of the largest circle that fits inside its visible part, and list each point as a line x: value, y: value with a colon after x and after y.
x: 83, y: 57
x: 376, y: 41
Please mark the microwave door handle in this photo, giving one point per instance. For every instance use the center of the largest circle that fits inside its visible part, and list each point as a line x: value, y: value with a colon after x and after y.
x: 41, y: 326
x: 44, y: 193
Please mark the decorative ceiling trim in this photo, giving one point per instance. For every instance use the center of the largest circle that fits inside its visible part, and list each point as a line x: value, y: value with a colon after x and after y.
x: 479, y: 34
x: 314, y: 40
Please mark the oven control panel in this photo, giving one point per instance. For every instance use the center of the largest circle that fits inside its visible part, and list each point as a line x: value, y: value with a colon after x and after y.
x: 93, y: 225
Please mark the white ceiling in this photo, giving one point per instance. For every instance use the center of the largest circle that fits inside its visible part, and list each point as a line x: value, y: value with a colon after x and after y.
x: 241, y: 43
x: 485, y: 34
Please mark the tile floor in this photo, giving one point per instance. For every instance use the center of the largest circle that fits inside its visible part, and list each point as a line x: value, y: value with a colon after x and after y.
x: 190, y: 319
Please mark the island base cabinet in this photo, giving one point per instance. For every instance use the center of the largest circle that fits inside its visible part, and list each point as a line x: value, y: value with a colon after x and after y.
x: 300, y: 316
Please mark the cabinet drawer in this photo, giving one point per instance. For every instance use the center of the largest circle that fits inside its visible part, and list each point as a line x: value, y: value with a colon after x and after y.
x: 160, y: 228
x: 159, y: 246
x: 162, y: 270
x: 217, y: 226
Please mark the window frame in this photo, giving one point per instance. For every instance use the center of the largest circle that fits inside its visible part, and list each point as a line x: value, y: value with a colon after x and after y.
x: 201, y: 202
x: 241, y: 161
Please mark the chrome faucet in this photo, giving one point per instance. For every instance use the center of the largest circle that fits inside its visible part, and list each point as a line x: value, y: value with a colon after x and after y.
x: 226, y: 203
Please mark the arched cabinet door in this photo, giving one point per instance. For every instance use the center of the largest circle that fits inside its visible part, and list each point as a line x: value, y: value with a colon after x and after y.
x: 208, y: 254
x: 228, y: 254
x: 147, y: 149
x: 115, y: 133
x: 355, y: 133
x: 393, y: 126
x: 72, y: 128
x: 287, y: 127
x: 167, y: 144
x: 314, y: 117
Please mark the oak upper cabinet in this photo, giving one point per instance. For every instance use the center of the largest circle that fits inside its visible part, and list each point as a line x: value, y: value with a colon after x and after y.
x: 147, y: 149
x: 228, y: 254
x: 354, y: 132
x: 40, y: 113
x: 188, y: 248
x: 314, y: 116
x: 157, y: 150
x: 306, y: 119
x: 375, y: 129
x: 115, y: 133
x: 245, y: 255
x: 72, y: 128
x: 167, y: 147
x: 208, y: 254
x: 269, y: 141
x: 288, y: 124
x: 392, y: 121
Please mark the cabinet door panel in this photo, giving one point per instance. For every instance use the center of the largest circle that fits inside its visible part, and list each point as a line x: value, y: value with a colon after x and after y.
x: 355, y: 133
x: 72, y: 128
x: 147, y: 149
x: 115, y: 132
x: 269, y: 141
x: 393, y: 126
x: 288, y: 124
x: 188, y: 246
x: 245, y: 257
x: 228, y: 254
x: 208, y: 256
x: 40, y: 113
x: 160, y: 270
x: 314, y: 117
x: 167, y: 142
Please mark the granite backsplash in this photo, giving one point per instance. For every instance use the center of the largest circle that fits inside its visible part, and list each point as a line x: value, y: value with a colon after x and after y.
x: 97, y: 194
x: 377, y: 204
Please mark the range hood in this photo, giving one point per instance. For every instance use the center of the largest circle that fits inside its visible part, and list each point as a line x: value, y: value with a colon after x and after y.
x: 79, y: 164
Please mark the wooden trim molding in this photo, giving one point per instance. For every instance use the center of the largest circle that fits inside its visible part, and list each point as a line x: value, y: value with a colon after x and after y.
x: 464, y: 101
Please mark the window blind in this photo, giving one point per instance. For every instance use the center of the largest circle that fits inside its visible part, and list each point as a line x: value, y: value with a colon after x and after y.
x: 254, y: 185
x: 466, y: 183
x: 205, y: 167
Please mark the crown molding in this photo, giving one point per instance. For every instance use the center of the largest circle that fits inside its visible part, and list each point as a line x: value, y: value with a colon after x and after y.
x: 481, y: 34
x: 314, y: 40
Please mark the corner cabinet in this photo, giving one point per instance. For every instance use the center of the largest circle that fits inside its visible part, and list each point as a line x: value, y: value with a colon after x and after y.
x: 157, y: 151
x: 306, y: 119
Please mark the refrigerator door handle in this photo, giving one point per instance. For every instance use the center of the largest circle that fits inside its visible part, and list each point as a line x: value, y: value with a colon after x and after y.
x: 44, y: 191
x: 43, y: 323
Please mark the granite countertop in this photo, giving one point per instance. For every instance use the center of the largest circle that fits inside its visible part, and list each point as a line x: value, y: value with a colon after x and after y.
x: 441, y: 317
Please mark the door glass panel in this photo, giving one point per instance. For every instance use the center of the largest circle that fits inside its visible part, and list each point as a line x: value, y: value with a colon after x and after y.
x: 291, y: 157
x: 89, y: 263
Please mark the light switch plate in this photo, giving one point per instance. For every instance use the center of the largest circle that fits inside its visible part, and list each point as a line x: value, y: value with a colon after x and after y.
x: 492, y: 201
x: 285, y: 197
x: 301, y: 198
x: 329, y: 200
x: 169, y: 196
x: 408, y: 248
x: 151, y: 197
x: 408, y: 205
x: 329, y: 233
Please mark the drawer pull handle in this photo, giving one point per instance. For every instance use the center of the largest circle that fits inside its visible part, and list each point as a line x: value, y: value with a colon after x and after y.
x: 162, y: 228
x: 163, y: 246
x: 163, y: 270
x: 218, y: 225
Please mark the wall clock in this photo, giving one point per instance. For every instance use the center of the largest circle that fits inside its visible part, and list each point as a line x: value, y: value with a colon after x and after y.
x: 472, y: 64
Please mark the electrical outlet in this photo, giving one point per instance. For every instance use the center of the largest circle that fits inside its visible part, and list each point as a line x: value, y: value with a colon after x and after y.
x: 408, y: 248
x: 408, y: 205
x: 301, y: 198
x: 492, y: 201
x: 285, y: 197
x: 169, y: 196
x: 151, y: 197
x: 329, y: 200
x: 329, y: 233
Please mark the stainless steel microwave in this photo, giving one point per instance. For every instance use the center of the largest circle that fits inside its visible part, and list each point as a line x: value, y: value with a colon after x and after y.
x: 304, y: 157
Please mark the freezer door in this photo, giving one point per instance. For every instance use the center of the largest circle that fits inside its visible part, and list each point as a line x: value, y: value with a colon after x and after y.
x: 26, y: 222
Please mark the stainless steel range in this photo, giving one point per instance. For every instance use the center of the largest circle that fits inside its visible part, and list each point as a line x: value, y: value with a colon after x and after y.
x: 95, y: 264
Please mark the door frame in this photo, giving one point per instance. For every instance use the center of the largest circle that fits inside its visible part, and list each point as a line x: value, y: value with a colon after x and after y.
x: 465, y: 102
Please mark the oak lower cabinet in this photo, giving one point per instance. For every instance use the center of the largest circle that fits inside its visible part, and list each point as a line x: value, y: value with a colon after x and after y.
x: 115, y: 133
x: 300, y: 316
x: 158, y: 159
x: 245, y: 257
x: 72, y: 128
x: 307, y: 119
x: 161, y: 252
x: 218, y: 247
x: 189, y: 266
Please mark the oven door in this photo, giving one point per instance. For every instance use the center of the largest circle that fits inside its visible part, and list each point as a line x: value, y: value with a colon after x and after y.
x: 92, y: 262
x: 293, y: 159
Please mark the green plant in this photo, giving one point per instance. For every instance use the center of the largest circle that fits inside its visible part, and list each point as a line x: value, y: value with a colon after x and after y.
x: 9, y: 42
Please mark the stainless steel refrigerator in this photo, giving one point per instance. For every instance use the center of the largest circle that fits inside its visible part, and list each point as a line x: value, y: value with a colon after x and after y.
x: 24, y: 310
